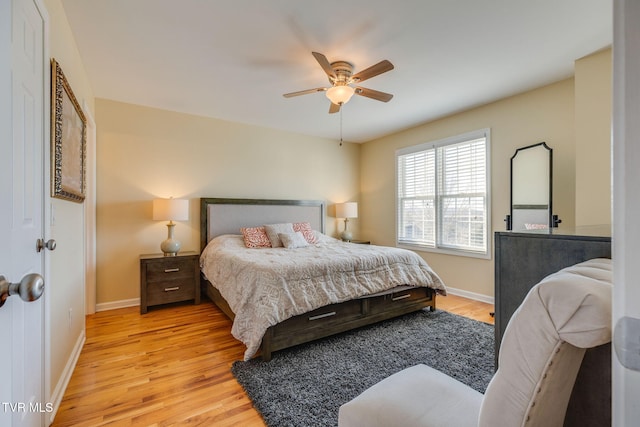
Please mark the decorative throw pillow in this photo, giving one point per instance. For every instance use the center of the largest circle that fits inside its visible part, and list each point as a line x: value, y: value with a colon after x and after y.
x: 306, y: 230
x: 274, y: 229
x: 255, y: 237
x: 293, y: 240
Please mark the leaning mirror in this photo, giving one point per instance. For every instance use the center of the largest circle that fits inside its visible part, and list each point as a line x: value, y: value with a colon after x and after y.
x: 531, y: 175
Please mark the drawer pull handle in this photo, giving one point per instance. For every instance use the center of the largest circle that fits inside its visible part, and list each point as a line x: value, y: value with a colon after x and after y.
x: 322, y: 316
x: 405, y: 296
x: 175, y: 288
x: 171, y: 270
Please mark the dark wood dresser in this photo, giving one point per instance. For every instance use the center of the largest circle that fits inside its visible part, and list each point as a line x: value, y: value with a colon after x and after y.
x: 522, y: 259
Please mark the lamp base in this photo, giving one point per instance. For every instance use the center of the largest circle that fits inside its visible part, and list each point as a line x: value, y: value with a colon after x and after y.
x: 170, y: 247
x: 346, y: 236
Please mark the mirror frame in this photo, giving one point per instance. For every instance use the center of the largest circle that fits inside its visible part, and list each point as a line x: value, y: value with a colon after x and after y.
x: 550, y: 220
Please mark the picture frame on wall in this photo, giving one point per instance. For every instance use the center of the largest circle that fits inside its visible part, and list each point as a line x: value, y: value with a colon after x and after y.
x: 68, y: 140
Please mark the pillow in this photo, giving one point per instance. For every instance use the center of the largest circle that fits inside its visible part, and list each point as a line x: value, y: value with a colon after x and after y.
x: 273, y: 230
x: 306, y: 230
x: 293, y: 240
x: 255, y: 237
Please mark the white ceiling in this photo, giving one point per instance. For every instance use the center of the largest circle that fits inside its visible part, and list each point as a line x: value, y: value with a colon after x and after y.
x: 234, y: 59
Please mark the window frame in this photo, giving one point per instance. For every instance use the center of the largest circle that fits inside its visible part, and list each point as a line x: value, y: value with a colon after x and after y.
x: 437, y: 247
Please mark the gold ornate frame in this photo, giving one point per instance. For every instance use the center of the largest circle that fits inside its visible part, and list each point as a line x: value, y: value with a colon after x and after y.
x: 68, y: 140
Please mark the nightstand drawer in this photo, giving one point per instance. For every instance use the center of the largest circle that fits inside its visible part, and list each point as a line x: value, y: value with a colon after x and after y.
x: 170, y: 291
x: 170, y: 269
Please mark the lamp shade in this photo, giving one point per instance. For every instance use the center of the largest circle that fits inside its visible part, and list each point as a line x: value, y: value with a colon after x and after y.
x: 340, y: 94
x: 347, y: 210
x: 170, y: 209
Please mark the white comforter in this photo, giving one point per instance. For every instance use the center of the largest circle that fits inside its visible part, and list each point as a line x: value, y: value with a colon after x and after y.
x: 266, y: 286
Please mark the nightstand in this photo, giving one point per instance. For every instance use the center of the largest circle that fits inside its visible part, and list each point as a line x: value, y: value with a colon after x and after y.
x: 361, y: 242
x: 165, y: 279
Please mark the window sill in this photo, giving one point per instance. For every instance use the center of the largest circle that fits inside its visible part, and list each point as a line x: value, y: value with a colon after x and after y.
x: 468, y: 254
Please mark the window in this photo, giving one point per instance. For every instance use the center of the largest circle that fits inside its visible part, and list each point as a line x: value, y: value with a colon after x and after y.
x: 442, y: 200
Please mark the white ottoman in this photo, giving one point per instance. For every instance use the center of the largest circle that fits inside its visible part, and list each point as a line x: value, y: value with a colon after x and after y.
x: 416, y: 396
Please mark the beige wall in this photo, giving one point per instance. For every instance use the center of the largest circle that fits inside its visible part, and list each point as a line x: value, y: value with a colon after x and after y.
x: 572, y: 116
x: 544, y: 114
x: 593, y: 139
x: 66, y: 280
x: 144, y: 153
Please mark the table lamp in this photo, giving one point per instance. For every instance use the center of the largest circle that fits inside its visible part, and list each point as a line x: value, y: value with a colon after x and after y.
x: 170, y: 210
x: 346, y: 210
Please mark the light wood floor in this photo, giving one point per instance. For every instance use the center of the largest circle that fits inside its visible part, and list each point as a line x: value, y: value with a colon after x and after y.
x: 171, y: 366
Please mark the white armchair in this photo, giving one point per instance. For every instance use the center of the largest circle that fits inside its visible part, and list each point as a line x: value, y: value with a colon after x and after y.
x: 540, y: 355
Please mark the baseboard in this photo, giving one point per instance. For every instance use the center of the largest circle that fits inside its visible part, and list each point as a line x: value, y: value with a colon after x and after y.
x: 104, y: 306
x: 470, y: 295
x: 136, y: 301
x: 63, y: 382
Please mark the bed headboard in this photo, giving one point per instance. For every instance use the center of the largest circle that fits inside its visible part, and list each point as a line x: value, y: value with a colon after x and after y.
x: 226, y: 216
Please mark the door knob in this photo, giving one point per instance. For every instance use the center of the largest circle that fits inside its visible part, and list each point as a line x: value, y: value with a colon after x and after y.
x: 49, y: 244
x: 30, y: 288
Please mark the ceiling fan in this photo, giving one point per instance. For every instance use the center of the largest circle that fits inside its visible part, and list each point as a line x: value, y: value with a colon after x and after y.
x: 341, y: 77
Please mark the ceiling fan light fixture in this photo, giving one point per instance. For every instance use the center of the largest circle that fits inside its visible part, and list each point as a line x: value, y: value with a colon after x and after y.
x: 340, y: 95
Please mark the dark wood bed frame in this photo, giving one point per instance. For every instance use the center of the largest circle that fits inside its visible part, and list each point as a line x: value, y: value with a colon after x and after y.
x: 324, y: 321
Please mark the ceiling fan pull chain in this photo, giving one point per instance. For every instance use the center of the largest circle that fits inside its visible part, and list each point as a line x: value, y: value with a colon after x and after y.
x: 341, y: 127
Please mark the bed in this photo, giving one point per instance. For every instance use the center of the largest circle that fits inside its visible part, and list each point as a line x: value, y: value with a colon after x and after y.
x: 279, y: 297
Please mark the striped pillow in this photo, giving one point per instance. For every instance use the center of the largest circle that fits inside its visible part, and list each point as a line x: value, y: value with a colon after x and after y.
x: 306, y: 230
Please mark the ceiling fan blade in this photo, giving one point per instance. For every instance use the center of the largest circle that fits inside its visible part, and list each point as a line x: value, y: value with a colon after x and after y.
x: 374, y: 70
x: 325, y: 64
x: 334, y: 108
x: 373, y: 94
x: 304, y: 92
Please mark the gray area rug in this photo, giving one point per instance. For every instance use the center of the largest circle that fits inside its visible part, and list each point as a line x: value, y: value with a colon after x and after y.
x: 304, y: 386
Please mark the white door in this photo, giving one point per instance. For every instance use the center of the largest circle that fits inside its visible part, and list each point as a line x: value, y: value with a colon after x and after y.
x: 22, y: 120
x: 626, y: 209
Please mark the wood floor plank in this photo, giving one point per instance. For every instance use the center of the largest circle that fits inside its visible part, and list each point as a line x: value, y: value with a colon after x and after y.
x: 170, y: 367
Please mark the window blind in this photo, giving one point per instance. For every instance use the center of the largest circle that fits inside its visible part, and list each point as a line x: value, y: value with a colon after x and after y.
x: 442, y: 194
